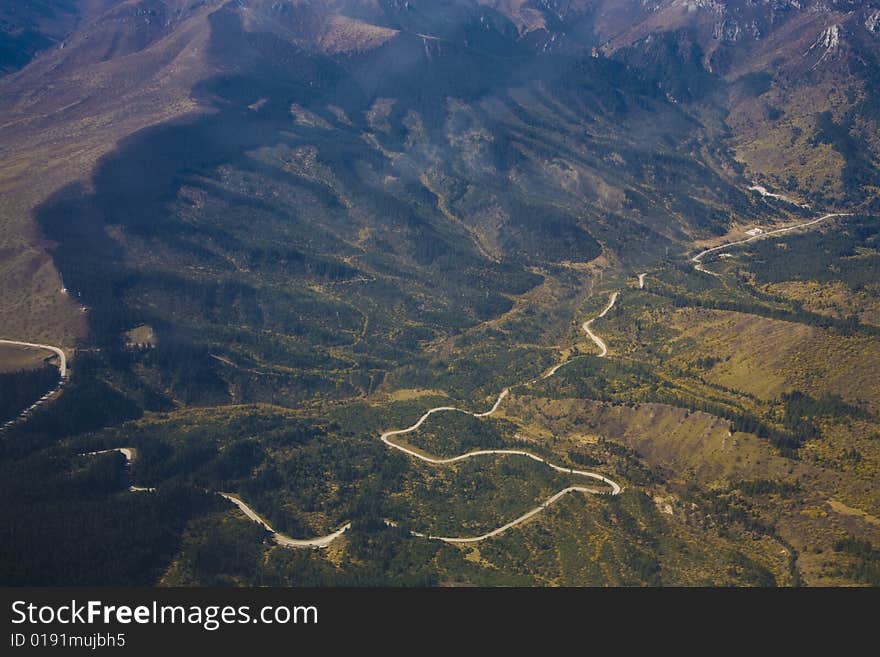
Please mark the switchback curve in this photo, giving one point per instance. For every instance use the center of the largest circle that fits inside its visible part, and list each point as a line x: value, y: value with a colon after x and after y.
x: 432, y: 460
x: 698, y: 265
x: 62, y: 370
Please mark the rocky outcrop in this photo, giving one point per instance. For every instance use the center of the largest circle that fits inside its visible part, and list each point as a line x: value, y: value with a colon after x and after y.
x: 872, y: 22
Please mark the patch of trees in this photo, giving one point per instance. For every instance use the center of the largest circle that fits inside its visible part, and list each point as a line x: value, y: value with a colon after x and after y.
x: 858, y: 170
x: 376, y: 555
x: 484, y: 373
x: 222, y: 550
x: 18, y: 390
x: 582, y: 458
x: 847, y: 326
x: 296, y: 263
x: 822, y: 257
x: 88, y: 403
x: 604, y: 380
x: 615, y: 381
x: 801, y: 410
x: 71, y: 521
x: 230, y: 454
x: 748, y: 570
x: 629, y: 464
x: 218, y: 454
x: 787, y: 442
x: 287, y: 490
x: 759, y: 487
x: 450, y: 434
x: 707, y: 362
x: 727, y: 509
x: 188, y: 369
x: 544, y: 233
x: 675, y: 61
x: 755, y: 84
x: 866, y: 565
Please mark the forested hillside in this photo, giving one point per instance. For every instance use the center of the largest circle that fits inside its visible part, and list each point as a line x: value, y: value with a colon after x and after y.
x: 309, y: 253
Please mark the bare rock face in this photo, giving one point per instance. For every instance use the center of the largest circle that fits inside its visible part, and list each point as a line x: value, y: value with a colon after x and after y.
x: 727, y: 30
x: 828, y: 41
x: 733, y: 30
x: 872, y: 22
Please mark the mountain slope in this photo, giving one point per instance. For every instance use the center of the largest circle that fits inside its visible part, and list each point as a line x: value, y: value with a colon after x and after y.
x: 286, y: 226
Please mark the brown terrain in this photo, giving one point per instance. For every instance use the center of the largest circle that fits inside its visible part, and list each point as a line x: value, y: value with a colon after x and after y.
x: 340, y: 271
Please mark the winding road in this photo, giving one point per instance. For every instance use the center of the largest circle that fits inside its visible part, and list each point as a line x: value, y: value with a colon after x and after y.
x: 595, y: 338
x: 603, y: 349
x: 512, y: 523
x: 432, y: 460
x: 62, y: 366
x: 279, y: 538
x: 386, y: 437
x: 324, y: 541
x: 62, y: 370
x: 615, y: 489
x: 698, y: 265
x: 130, y: 454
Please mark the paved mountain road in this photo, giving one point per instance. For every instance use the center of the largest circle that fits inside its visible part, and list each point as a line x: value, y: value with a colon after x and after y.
x: 62, y: 370
x: 324, y: 541
x: 279, y: 538
x: 698, y: 265
x: 62, y: 366
x: 130, y: 454
x: 386, y: 437
x: 512, y: 523
x: 614, y: 487
x: 595, y: 338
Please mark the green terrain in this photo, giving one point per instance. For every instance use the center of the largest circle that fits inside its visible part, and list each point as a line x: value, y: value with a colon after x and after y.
x: 345, y: 240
